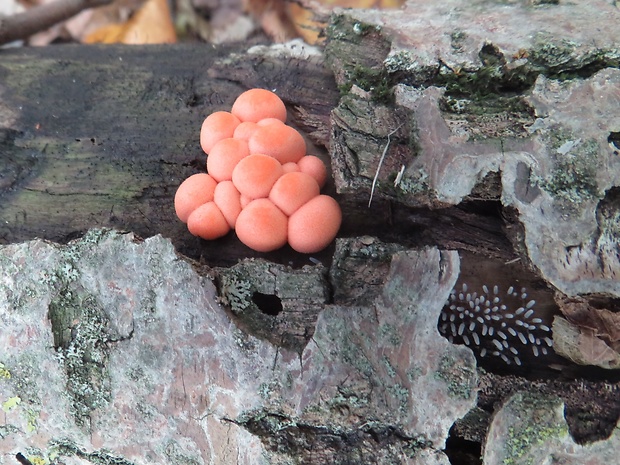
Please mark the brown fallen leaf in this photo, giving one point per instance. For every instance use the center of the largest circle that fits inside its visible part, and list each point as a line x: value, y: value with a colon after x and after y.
x: 273, y: 17
x: 151, y: 24
x: 582, y: 346
x: 579, y: 311
x: 587, y: 335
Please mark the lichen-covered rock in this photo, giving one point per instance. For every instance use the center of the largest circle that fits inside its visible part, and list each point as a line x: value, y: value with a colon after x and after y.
x: 530, y: 428
x: 116, y: 351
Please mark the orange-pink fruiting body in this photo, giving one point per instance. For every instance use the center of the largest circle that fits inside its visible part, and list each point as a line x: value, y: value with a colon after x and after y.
x: 257, y: 104
x: 217, y: 126
x: 208, y: 222
x: 224, y: 156
x: 315, y: 167
x: 280, y: 141
x: 314, y: 225
x: 256, y: 174
x: 227, y: 199
x: 193, y: 192
x: 245, y: 130
x: 262, y: 226
x: 292, y: 191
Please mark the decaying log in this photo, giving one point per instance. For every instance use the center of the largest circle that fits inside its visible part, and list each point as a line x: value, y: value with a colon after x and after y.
x: 499, y: 143
x: 103, y: 136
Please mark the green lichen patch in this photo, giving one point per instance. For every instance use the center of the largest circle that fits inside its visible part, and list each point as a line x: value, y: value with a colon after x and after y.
x: 60, y: 448
x: 81, y: 340
x: 236, y: 292
x: 350, y: 399
x: 23, y: 371
x: 573, y: 178
x: 352, y: 352
x: 8, y: 430
x: 412, y: 184
x: 374, y: 80
x: 4, y: 372
x: 536, y: 423
x: 564, y: 58
x: 494, y: 78
x: 355, y: 52
x: 459, y: 376
x: 274, y: 302
x: 35, y: 456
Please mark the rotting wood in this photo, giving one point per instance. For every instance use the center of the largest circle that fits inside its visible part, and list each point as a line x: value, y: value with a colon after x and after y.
x: 102, y: 137
x: 68, y: 142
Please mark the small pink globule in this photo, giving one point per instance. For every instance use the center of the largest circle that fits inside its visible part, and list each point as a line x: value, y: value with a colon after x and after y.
x: 224, y: 157
x: 256, y: 174
x: 257, y: 104
x: 262, y: 226
x: 315, y: 167
x: 314, y: 225
x: 217, y: 126
x: 193, y: 192
x: 279, y: 141
x: 292, y: 191
x: 228, y: 200
x: 208, y: 222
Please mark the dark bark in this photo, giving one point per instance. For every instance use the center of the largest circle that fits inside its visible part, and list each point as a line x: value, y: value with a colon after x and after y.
x: 103, y: 136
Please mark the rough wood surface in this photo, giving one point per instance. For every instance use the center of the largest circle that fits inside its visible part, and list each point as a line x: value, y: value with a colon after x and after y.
x: 499, y: 163
x: 477, y: 93
x: 103, y: 136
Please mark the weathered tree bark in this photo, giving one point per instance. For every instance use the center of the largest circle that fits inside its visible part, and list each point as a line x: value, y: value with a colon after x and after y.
x: 103, y: 136
x: 485, y: 131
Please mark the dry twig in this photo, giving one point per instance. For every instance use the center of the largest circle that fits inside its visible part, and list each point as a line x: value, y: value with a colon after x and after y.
x: 374, y: 181
x: 23, y: 25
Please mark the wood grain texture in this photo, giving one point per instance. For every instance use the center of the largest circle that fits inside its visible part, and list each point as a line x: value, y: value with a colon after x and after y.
x: 103, y: 136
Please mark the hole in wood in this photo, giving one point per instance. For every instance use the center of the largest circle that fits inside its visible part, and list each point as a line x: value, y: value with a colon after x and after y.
x: 269, y: 304
x: 614, y: 140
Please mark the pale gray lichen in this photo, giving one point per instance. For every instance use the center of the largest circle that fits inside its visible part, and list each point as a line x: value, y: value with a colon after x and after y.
x: 266, y: 390
x: 414, y: 183
x: 175, y: 455
x: 459, y: 376
x: 235, y: 292
x: 388, y: 367
x: 573, y: 177
x: 349, y: 399
x: 391, y: 334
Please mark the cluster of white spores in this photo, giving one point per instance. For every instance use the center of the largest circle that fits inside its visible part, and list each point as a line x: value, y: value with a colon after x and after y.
x: 486, y: 323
